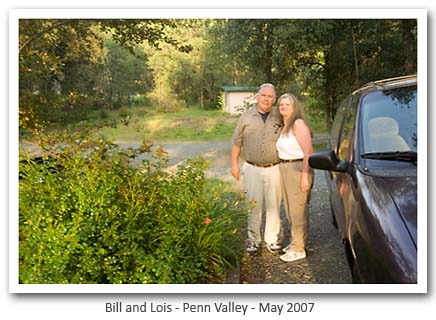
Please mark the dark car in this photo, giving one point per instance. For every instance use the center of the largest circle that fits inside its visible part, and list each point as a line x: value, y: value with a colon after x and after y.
x: 371, y: 169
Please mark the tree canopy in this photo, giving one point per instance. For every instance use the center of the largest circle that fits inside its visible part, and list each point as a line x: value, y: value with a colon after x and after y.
x: 71, y: 66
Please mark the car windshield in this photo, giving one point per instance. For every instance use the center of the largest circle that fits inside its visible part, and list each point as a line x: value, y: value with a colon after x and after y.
x: 389, y: 125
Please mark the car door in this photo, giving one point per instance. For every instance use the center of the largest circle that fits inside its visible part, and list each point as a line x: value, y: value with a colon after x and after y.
x: 332, y: 176
x: 342, y: 186
x: 346, y: 181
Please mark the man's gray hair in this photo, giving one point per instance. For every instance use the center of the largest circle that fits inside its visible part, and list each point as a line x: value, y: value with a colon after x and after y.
x: 264, y: 85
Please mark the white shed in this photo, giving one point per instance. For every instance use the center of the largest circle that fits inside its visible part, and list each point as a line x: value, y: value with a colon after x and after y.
x: 236, y: 97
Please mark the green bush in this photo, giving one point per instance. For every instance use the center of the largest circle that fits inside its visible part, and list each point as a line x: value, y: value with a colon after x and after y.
x: 87, y: 215
x: 140, y: 99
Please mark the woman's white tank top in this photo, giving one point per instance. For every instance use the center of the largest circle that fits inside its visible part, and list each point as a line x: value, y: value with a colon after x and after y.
x: 288, y: 147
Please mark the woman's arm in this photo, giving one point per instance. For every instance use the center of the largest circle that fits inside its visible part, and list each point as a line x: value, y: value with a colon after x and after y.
x: 302, y: 133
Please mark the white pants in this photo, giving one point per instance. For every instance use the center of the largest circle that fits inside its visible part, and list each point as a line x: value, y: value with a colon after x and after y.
x: 263, y: 189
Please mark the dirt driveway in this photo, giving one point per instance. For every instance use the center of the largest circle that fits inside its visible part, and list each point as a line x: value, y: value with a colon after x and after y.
x: 325, y: 263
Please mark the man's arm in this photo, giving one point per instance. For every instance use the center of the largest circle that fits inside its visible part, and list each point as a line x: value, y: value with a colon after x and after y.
x: 236, y: 151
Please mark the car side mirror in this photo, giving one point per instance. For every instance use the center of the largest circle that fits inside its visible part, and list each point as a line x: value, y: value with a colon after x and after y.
x: 327, y: 160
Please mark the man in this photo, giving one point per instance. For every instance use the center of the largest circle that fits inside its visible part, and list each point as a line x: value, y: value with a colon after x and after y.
x: 255, y: 135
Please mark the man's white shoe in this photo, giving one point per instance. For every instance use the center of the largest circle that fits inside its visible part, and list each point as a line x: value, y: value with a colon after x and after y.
x: 252, y: 248
x: 287, y: 248
x: 273, y: 247
x: 293, y: 256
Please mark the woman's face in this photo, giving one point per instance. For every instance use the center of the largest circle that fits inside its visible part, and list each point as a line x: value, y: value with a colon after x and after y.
x: 286, y: 107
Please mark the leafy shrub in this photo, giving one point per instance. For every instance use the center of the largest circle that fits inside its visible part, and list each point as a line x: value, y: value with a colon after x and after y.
x: 87, y: 215
x: 140, y: 99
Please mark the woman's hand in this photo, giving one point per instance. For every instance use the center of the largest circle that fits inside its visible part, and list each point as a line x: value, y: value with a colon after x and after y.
x: 304, y: 183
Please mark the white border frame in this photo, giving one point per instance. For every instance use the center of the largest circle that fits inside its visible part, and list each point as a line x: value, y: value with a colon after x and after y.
x: 419, y: 14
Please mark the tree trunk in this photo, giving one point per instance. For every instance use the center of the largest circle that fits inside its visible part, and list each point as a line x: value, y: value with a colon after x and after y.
x: 409, y: 43
x: 269, y: 30
x: 356, y: 65
x: 330, y: 88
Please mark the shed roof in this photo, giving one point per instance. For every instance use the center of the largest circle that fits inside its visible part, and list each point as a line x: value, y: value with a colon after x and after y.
x: 240, y: 88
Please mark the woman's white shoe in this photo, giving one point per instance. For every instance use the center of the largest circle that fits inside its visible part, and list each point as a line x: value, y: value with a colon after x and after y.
x: 293, y: 256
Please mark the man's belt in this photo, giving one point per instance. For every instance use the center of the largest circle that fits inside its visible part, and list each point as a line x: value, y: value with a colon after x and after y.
x: 263, y: 165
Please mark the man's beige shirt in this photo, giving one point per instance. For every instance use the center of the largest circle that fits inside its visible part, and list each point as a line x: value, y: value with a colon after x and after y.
x: 257, y: 139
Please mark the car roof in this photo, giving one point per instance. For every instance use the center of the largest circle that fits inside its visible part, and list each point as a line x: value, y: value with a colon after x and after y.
x: 386, y: 84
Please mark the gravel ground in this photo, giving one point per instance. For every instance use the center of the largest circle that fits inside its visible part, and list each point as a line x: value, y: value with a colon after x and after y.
x: 325, y: 262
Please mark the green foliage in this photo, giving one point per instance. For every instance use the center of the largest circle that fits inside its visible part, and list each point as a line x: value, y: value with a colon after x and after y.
x: 166, y: 102
x: 64, y: 57
x: 139, y: 99
x: 323, y: 58
x: 87, y: 215
x: 176, y: 73
x: 73, y: 66
x: 315, y: 114
x: 130, y: 32
x: 220, y: 102
x: 58, y: 67
x: 128, y: 75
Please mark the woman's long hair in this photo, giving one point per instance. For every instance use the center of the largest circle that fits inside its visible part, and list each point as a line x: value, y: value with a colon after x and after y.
x: 297, y: 114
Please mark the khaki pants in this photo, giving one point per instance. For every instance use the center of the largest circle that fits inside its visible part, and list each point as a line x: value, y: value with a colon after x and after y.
x: 296, y: 203
x: 263, y: 189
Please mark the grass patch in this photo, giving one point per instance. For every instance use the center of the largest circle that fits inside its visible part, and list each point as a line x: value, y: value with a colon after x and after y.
x: 190, y: 125
x: 145, y: 123
x: 320, y: 146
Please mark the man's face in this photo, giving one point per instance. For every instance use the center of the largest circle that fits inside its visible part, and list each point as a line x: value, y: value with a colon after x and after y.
x: 265, y: 99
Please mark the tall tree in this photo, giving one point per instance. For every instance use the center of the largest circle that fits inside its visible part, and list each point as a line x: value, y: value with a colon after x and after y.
x: 127, y: 74
x: 62, y: 61
x: 252, y: 43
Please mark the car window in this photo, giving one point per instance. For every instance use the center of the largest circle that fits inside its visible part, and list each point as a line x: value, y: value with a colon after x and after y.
x: 389, y: 121
x: 347, y: 129
x: 337, y: 124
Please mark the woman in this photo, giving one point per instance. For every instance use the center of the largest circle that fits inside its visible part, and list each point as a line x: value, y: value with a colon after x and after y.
x: 294, y: 147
